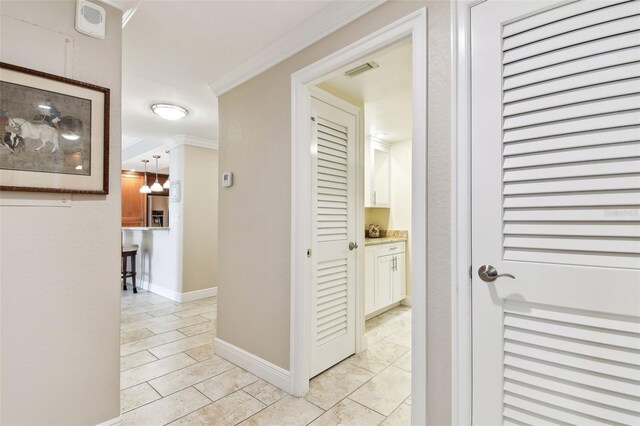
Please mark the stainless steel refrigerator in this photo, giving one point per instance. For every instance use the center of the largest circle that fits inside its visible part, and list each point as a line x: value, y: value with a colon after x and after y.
x: 158, y: 211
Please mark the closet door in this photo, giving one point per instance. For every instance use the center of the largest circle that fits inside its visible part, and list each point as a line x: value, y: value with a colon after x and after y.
x: 556, y: 204
x: 333, y: 217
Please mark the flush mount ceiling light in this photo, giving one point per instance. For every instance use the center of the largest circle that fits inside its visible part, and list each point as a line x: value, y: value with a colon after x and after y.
x: 169, y: 111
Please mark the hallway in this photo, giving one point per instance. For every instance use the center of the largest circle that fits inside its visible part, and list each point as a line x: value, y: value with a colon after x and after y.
x: 169, y: 373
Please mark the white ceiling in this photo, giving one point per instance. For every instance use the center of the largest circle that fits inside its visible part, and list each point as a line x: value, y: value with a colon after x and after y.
x: 172, y: 49
x: 135, y: 163
x: 385, y: 92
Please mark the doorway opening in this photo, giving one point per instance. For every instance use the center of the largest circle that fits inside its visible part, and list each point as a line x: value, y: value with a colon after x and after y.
x: 386, y: 264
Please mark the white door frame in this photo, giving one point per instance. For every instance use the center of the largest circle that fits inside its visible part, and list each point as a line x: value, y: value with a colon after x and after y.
x: 461, y: 350
x: 414, y: 26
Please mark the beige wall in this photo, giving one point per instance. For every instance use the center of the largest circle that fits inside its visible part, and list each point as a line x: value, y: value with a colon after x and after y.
x: 377, y: 215
x: 400, y: 211
x: 255, y: 215
x: 59, y: 266
x: 199, y: 218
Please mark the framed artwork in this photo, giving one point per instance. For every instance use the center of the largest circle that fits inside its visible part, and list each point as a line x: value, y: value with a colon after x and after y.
x: 55, y: 133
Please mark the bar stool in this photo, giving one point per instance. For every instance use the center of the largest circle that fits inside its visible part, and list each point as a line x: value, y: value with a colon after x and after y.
x: 129, y: 251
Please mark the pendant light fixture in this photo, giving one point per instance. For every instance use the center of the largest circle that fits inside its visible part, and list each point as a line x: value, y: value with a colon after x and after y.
x: 156, y: 187
x: 167, y: 184
x: 145, y: 188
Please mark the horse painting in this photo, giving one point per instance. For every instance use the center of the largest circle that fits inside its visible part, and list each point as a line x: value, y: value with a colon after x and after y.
x: 42, y: 132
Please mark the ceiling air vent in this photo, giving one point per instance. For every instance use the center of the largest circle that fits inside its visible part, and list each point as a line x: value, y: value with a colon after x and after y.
x: 361, y: 68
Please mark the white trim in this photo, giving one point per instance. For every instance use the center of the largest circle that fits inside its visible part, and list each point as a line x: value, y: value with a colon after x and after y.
x: 461, y: 332
x: 129, y: 141
x: 414, y: 26
x: 118, y: 4
x: 178, y: 140
x: 331, y: 18
x: 182, y: 297
x: 117, y: 421
x: 262, y: 368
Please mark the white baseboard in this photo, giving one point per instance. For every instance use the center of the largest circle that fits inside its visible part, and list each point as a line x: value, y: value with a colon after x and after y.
x: 273, y: 374
x: 113, y: 422
x: 183, y: 297
x: 199, y: 294
x: 406, y: 301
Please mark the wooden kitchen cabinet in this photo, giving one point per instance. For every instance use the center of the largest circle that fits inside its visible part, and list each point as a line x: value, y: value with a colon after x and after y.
x: 134, y: 204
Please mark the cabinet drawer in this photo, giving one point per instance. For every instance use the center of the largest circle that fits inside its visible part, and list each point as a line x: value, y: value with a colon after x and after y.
x: 392, y: 248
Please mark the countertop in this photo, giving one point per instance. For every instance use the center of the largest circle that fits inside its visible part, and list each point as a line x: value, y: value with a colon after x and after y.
x: 383, y: 240
x: 145, y: 228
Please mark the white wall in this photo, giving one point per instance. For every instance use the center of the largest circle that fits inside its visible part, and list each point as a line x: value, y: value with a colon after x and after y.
x: 156, y: 260
x: 400, y: 211
x: 60, y: 266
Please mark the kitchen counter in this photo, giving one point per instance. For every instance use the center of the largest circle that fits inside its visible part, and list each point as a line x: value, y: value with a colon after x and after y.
x: 383, y: 240
x: 387, y: 237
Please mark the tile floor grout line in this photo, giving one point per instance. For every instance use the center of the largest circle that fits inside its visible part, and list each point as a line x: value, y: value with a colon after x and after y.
x: 373, y: 409
x: 175, y: 371
x: 157, y: 359
x: 191, y: 412
x: 162, y: 344
x: 146, y: 403
x: 162, y: 375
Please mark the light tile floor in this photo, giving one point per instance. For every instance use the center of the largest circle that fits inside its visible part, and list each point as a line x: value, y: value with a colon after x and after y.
x: 170, y: 374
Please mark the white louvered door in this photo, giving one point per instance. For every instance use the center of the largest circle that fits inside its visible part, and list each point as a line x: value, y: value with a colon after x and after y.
x: 556, y: 202
x: 333, y: 148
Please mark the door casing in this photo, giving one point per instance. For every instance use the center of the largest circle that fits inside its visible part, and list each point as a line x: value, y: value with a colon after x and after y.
x: 461, y: 351
x: 412, y: 26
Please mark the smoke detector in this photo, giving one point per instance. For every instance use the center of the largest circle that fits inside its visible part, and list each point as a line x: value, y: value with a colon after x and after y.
x: 367, y: 66
x: 90, y: 19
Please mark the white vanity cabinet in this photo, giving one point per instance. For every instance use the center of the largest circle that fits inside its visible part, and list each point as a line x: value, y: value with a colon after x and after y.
x: 377, y: 174
x: 384, y: 275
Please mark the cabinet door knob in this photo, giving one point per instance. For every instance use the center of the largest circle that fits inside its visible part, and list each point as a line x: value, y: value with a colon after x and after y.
x: 353, y: 246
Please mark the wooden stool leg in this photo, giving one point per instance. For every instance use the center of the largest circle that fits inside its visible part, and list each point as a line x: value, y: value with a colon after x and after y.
x: 124, y: 272
x: 133, y: 272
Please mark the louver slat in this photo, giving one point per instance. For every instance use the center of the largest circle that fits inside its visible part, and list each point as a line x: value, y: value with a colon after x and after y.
x: 571, y: 135
x: 566, y: 365
x: 332, y: 182
x: 331, y: 315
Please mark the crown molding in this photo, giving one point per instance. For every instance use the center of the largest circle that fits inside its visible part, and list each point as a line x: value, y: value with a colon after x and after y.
x: 129, y: 141
x: 178, y: 140
x: 331, y: 18
x: 118, y: 4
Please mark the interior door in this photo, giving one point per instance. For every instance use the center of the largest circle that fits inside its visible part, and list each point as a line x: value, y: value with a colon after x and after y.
x: 556, y: 203
x: 334, y: 234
